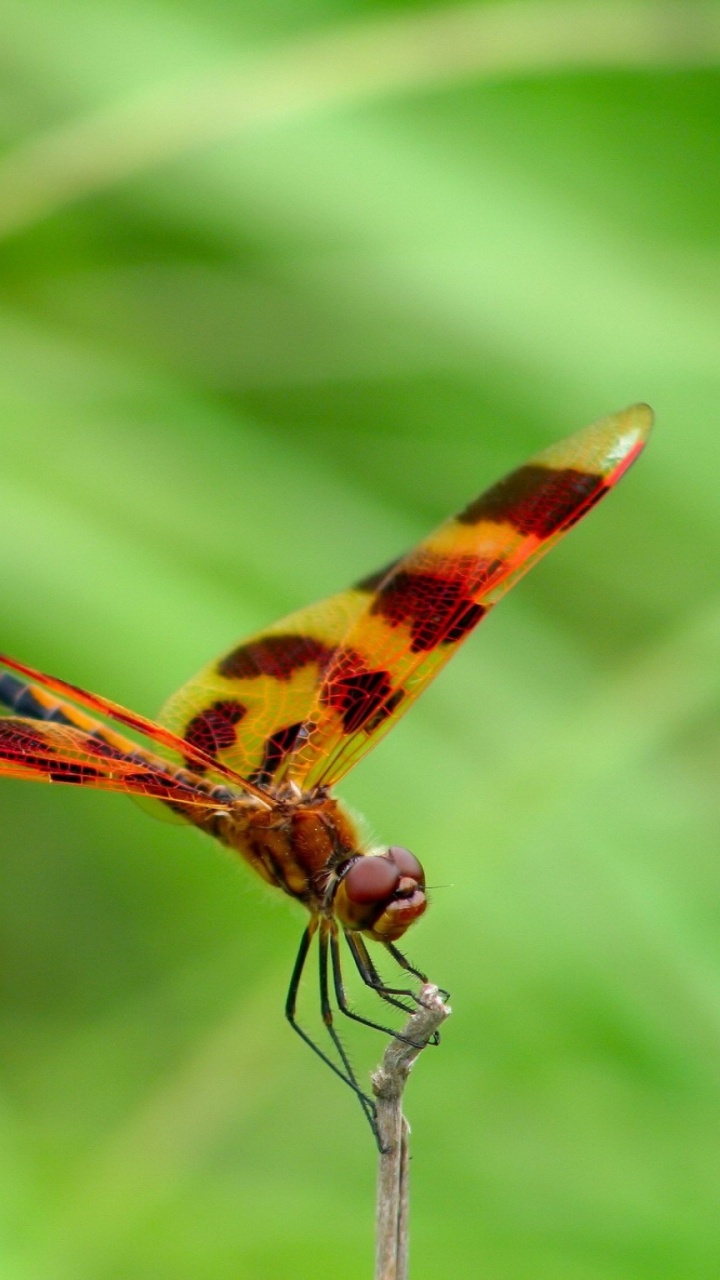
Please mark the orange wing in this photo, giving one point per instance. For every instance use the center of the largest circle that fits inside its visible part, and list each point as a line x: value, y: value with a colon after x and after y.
x: 43, y: 751
x: 418, y: 612
x: 52, y: 740
x: 306, y: 698
x: 247, y: 708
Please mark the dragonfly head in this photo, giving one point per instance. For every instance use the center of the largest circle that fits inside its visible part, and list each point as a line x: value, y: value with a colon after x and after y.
x: 381, y: 894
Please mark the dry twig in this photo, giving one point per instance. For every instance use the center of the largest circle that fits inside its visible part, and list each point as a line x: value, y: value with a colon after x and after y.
x: 388, y: 1082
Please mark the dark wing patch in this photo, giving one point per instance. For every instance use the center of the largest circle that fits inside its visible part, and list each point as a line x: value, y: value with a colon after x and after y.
x: 277, y: 656
x: 536, y: 501
x: 276, y: 749
x: 436, y: 603
x: 215, y: 729
x: 356, y: 693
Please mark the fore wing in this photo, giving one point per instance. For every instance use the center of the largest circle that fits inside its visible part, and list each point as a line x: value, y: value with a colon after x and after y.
x: 414, y: 616
x: 247, y: 707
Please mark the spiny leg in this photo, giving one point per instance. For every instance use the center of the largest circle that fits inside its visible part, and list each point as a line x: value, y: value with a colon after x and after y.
x: 342, y: 999
x: 409, y: 968
x: 370, y: 977
x: 366, y: 1103
x: 290, y: 1008
x: 404, y: 962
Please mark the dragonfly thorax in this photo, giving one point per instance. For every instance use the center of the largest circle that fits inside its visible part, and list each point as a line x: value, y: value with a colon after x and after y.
x: 310, y: 847
x: 296, y: 844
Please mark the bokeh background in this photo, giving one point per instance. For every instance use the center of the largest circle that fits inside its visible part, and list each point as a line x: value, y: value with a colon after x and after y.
x: 283, y: 284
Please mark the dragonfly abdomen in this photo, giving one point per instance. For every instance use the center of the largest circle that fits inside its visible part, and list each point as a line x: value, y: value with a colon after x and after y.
x: 30, y: 700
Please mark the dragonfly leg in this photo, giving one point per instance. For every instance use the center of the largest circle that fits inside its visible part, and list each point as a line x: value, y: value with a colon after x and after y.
x: 372, y: 978
x: 378, y: 987
x: 366, y: 1103
x: 417, y: 973
x: 395, y: 996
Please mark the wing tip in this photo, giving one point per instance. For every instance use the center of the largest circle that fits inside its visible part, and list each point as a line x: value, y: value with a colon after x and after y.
x: 631, y: 428
x: 606, y: 448
x: 637, y: 419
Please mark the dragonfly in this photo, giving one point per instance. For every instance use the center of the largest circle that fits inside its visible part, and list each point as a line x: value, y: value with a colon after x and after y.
x: 250, y: 749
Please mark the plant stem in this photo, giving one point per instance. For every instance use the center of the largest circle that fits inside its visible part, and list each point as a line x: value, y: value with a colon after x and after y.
x: 388, y: 1082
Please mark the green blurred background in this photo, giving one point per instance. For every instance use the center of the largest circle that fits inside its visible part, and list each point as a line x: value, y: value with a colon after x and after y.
x: 283, y: 284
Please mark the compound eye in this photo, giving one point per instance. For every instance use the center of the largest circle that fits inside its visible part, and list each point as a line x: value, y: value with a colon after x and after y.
x: 371, y: 880
x: 406, y: 863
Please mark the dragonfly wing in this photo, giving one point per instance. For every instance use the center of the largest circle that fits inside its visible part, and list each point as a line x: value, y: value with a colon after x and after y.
x: 38, y: 700
x: 247, y: 708
x: 415, y: 616
x: 46, y: 751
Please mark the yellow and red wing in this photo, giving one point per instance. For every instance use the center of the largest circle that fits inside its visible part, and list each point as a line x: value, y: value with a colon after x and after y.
x: 418, y: 612
x: 307, y: 698
x: 248, y: 707
x: 43, y: 751
x: 51, y: 739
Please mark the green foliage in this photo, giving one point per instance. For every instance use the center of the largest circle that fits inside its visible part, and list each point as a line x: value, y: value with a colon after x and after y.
x: 272, y: 306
